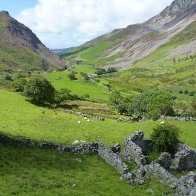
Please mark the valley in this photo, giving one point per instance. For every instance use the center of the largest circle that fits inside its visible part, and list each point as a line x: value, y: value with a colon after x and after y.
x: 135, y: 78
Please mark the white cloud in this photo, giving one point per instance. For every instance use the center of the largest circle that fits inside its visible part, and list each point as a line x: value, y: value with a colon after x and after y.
x: 65, y: 23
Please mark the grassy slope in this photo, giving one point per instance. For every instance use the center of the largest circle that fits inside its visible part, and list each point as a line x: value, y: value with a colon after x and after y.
x: 156, y: 70
x: 19, y: 58
x: 20, y: 118
x: 45, y: 172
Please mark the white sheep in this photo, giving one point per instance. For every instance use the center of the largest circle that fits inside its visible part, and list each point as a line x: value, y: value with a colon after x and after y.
x: 75, y: 142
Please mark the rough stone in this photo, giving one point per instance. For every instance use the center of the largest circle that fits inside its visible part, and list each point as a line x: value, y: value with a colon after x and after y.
x: 112, y: 158
x: 185, y: 158
x: 164, y: 160
x: 116, y: 148
x: 133, y: 150
x: 186, y: 185
x: 154, y: 170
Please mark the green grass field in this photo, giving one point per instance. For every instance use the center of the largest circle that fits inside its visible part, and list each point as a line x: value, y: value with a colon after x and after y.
x: 21, y: 118
x: 79, y: 87
x: 31, y: 171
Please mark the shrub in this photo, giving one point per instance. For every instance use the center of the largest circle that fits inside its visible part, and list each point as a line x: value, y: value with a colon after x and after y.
x: 85, y: 76
x: 19, y: 84
x: 122, y: 108
x: 186, y: 92
x: 115, y: 98
x: 100, y: 71
x: 192, y: 93
x: 180, y: 92
x: 8, y: 77
x: 165, y: 138
x: 72, y: 76
x: 111, y: 70
x: 39, y: 90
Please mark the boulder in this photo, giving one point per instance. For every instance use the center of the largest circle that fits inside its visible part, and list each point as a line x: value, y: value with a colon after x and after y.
x: 164, y: 160
x: 185, y: 158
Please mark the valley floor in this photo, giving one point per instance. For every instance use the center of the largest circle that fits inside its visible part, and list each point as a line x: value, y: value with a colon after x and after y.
x: 19, y: 117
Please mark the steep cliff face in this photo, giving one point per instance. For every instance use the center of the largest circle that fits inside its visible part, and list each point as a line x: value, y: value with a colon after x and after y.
x: 137, y: 41
x: 16, y: 36
x: 180, y: 6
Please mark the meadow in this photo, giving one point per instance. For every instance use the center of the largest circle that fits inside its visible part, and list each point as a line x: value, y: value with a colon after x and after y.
x: 31, y: 171
x: 92, y: 89
x: 20, y: 118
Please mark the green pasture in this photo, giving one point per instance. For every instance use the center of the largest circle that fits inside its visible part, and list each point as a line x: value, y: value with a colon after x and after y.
x: 18, y: 117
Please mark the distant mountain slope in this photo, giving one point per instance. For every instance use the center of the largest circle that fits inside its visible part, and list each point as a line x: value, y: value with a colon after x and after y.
x: 20, y: 48
x: 123, y: 47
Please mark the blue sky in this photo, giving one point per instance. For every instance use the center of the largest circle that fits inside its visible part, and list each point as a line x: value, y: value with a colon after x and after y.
x: 14, y: 7
x: 67, y: 23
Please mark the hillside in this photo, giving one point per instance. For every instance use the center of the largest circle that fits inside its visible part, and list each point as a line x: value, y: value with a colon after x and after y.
x: 123, y: 47
x: 20, y: 48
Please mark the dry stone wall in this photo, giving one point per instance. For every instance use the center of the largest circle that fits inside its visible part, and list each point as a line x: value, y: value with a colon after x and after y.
x: 136, y: 148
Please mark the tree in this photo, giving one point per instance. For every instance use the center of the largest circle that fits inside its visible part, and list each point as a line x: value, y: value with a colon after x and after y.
x: 39, y: 90
x: 152, y: 104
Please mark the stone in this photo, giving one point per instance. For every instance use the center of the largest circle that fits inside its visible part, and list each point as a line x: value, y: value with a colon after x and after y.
x: 112, y: 159
x: 116, y: 148
x: 185, y: 158
x: 154, y: 170
x: 132, y: 149
x: 164, y: 160
x: 149, y: 191
x: 186, y: 185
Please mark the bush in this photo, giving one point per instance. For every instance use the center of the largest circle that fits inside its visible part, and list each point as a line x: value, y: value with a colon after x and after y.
x: 115, y: 98
x: 85, y: 76
x: 39, y: 90
x: 186, y: 92
x: 100, y: 71
x: 192, y: 93
x: 122, y: 108
x: 111, y: 70
x: 72, y: 76
x: 8, y: 77
x: 165, y: 138
x: 19, y: 84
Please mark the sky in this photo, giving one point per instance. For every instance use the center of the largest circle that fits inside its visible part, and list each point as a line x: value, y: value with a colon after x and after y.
x: 68, y: 23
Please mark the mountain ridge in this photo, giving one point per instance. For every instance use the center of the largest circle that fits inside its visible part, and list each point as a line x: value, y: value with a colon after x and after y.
x: 16, y: 36
x: 139, y: 40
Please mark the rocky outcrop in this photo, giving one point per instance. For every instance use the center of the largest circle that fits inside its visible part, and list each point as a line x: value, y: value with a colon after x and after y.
x: 179, y: 6
x: 185, y: 158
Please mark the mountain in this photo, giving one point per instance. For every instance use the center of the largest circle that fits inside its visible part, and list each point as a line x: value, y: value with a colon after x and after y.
x: 20, y: 48
x: 123, y: 47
